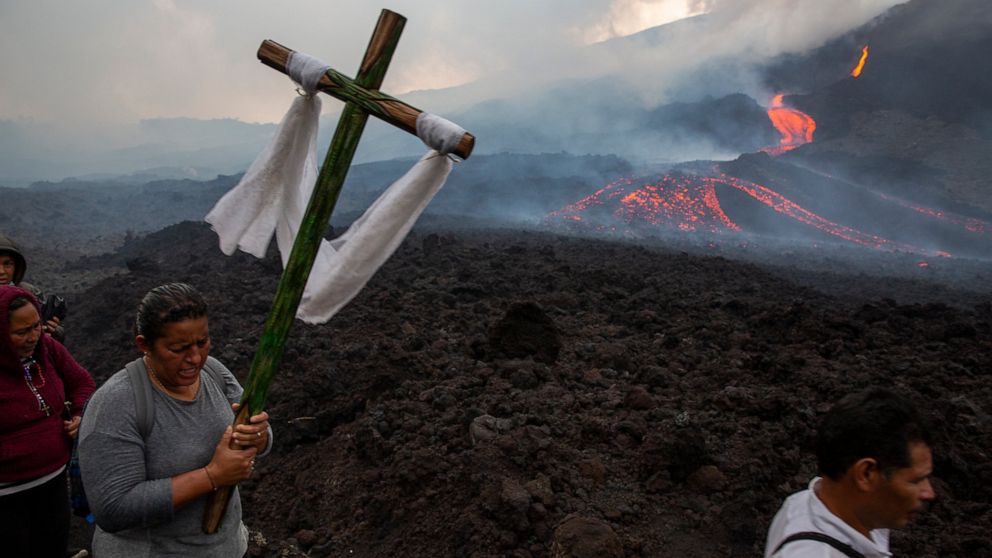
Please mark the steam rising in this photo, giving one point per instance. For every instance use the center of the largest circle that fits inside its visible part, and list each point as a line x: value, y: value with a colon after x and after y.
x: 90, y: 78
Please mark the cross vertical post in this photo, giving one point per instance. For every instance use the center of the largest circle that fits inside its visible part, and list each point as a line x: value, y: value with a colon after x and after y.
x: 269, y: 354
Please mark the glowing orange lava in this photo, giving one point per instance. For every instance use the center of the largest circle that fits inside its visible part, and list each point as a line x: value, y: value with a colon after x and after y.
x: 861, y: 63
x: 783, y: 205
x: 690, y: 203
x: 796, y: 126
x: 970, y: 224
x: 686, y: 203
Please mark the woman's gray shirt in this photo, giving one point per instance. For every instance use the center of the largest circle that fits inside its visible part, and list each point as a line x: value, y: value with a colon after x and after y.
x: 128, y: 479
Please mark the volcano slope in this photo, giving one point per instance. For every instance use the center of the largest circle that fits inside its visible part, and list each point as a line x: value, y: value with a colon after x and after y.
x: 504, y: 393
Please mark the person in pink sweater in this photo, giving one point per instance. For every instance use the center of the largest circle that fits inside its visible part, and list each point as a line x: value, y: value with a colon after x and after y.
x: 42, y: 393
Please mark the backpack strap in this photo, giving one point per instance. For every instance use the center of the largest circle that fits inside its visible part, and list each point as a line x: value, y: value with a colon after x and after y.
x: 820, y: 537
x: 213, y: 367
x: 144, y: 406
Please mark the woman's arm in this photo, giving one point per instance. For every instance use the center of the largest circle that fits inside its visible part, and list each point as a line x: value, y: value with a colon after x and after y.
x: 78, y: 382
x: 112, y: 458
x: 121, y: 497
x: 227, y: 467
x: 112, y: 461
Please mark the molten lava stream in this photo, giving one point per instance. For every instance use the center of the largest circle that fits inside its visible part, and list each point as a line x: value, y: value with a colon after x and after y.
x: 785, y: 206
x: 969, y: 224
x: 691, y: 203
x: 796, y: 126
x: 861, y: 63
x: 686, y: 203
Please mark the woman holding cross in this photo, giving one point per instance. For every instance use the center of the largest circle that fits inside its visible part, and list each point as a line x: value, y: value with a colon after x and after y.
x: 156, y: 439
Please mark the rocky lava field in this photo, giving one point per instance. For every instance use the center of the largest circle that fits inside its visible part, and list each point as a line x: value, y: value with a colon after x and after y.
x: 512, y: 393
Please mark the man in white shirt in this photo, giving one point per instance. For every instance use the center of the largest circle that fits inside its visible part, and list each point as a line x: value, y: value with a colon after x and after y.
x: 873, y: 454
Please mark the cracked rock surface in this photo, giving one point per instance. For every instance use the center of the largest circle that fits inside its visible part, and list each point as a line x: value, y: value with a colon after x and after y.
x: 508, y: 393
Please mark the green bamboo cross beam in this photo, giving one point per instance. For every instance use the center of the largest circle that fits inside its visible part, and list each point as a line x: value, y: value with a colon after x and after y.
x: 362, y: 98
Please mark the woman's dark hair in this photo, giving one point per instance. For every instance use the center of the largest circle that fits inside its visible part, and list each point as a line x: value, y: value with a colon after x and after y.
x: 167, y: 304
x: 17, y: 303
x: 875, y: 423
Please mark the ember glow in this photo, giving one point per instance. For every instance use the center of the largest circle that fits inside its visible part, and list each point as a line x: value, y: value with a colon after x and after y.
x: 783, y: 205
x: 970, y: 224
x: 691, y: 203
x: 686, y: 203
x: 796, y: 126
x: 861, y: 63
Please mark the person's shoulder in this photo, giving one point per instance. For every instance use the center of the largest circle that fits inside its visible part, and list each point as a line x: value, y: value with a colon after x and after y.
x: 798, y: 499
x: 217, y: 366
x: 219, y: 374
x: 795, y: 509
x: 53, y: 345
x: 808, y: 549
x: 33, y: 289
x: 221, y: 377
x: 115, y: 391
x: 59, y: 355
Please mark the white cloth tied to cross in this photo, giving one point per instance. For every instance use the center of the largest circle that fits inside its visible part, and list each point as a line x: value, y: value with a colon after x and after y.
x: 272, y: 197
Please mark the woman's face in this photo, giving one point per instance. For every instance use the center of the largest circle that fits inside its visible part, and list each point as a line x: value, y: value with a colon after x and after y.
x: 25, y: 330
x: 178, y: 354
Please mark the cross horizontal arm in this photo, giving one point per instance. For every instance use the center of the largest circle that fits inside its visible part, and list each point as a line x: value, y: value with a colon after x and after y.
x: 375, y: 103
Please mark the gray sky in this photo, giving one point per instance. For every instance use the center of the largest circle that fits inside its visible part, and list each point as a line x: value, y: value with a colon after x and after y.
x: 122, y: 60
x: 90, y: 62
x: 86, y: 84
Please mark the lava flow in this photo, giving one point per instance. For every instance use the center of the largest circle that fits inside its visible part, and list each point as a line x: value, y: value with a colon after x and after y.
x: 796, y: 126
x: 861, y: 63
x: 969, y: 224
x: 690, y: 203
x: 785, y: 206
x: 686, y: 203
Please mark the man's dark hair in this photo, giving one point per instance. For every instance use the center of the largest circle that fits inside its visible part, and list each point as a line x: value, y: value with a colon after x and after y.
x: 874, y: 423
x: 166, y: 304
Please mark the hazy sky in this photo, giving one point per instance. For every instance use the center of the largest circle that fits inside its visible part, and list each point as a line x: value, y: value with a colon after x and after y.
x: 84, y: 62
x: 130, y: 59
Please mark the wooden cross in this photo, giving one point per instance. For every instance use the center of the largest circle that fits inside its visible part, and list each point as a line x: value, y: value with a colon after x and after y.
x: 362, y: 98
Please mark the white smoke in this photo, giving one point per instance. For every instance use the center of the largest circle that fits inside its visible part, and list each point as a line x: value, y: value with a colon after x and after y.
x: 740, y: 32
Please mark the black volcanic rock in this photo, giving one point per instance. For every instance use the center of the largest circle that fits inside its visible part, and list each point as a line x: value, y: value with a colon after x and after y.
x: 685, y: 390
x: 525, y: 330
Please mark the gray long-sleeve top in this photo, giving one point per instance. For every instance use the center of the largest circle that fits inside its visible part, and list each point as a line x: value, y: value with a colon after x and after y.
x: 128, y: 478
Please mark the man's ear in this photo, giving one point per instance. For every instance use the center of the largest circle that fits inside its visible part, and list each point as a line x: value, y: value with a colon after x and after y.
x: 865, y: 473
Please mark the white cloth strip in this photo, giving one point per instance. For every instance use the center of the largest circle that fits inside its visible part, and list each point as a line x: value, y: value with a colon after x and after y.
x: 306, y: 70
x: 273, y: 196
x: 344, y: 265
x: 437, y: 133
x: 276, y: 184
